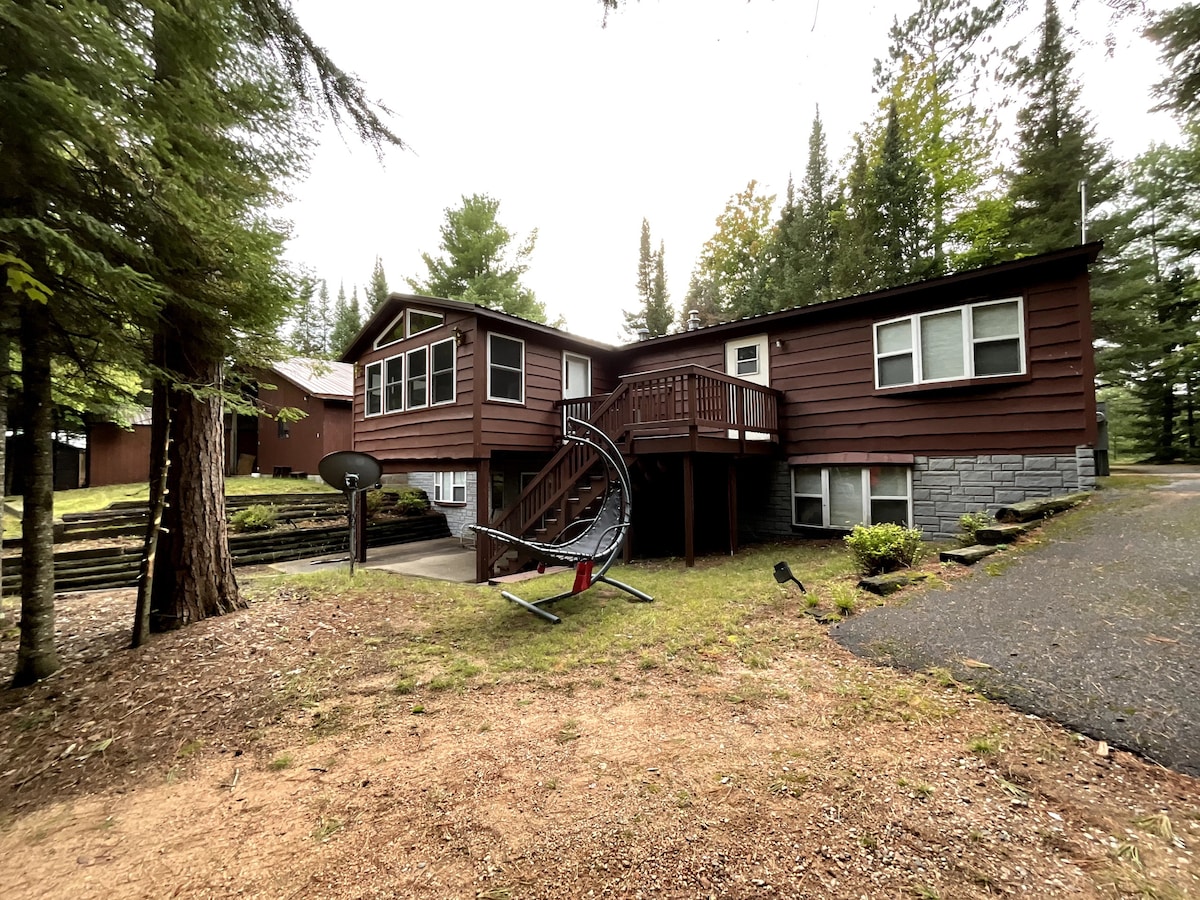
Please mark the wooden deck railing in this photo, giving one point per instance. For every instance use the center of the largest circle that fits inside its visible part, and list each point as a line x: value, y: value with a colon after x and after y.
x: 683, y: 400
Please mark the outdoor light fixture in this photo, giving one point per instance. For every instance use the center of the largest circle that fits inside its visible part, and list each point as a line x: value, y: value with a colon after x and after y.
x: 783, y: 575
x: 460, y: 337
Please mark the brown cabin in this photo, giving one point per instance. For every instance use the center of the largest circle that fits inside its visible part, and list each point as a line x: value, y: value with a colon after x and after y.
x: 914, y: 404
x: 320, y: 389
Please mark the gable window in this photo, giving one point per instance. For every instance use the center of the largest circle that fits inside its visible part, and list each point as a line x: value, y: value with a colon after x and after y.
x: 417, y: 394
x: 392, y: 334
x: 393, y: 384
x: 373, y: 389
x: 979, y: 340
x: 450, y: 487
x: 506, y: 369
x: 420, y: 321
x: 442, y: 372
x: 845, y: 496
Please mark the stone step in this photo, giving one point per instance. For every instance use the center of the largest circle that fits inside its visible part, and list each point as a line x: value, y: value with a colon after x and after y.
x: 967, y: 555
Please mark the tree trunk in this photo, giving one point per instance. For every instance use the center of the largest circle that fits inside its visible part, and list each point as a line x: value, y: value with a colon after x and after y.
x: 160, y: 424
x: 193, y: 571
x: 36, y: 656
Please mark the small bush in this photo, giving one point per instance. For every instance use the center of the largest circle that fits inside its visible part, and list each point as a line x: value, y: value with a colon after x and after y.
x: 253, y: 518
x: 884, y: 548
x: 969, y: 524
x: 377, y: 502
x: 412, y: 502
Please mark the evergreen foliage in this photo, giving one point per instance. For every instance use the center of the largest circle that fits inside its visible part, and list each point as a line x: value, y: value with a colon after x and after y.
x: 1056, y: 150
x: 347, y: 321
x: 377, y: 287
x: 478, y: 263
x: 654, y: 305
x: 898, y: 191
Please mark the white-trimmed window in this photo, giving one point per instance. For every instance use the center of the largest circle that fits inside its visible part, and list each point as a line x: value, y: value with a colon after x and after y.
x: 506, y: 369
x: 417, y: 393
x: 450, y: 487
x: 747, y: 361
x: 392, y: 334
x: 420, y: 321
x: 979, y: 340
x: 393, y: 384
x: 845, y: 496
x: 373, y: 389
x: 441, y: 379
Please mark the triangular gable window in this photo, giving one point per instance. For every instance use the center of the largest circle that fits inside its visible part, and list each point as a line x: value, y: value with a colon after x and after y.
x: 420, y: 321
x: 391, y: 334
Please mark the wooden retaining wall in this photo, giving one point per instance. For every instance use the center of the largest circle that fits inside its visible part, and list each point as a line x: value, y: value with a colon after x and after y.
x: 117, y: 567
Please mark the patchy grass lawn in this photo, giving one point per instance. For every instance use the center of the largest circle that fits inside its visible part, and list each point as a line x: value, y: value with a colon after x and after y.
x: 395, y: 737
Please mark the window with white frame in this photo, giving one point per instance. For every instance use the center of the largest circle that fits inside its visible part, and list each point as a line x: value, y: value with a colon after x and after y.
x: 979, y: 340
x: 450, y: 487
x: 420, y: 321
x: 417, y: 394
x: 393, y: 384
x: 392, y: 334
x: 506, y: 369
x: 747, y: 360
x: 442, y: 375
x: 845, y: 496
x: 373, y: 389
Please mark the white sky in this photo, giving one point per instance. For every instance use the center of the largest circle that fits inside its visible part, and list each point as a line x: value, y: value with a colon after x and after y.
x: 581, y: 131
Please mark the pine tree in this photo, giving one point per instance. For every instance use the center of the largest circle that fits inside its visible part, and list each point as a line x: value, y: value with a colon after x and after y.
x: 899, y: 190
x: 935, y: 60
x: 856, y: 225
x: 324, y: 320
x: 1057, y: 150
x: 814, y: 227
x: 377, y: 288
x: 347, y: 321
x: 780, y: 273
x: 654, y: 306
x: 306, y: 338
x: 1177, y: 32
x: 658, y: 312
x: 477, y: 262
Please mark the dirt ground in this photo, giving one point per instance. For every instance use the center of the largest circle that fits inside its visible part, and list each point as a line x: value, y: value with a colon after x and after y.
x: 270, y: 754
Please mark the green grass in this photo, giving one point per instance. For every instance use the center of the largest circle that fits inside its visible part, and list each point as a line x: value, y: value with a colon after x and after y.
x: 97, y: 498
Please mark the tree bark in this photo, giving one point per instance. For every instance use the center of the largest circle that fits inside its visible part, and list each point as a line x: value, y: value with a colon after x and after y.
x: 36, y: 655
x: 193, y: 571
x: 160, y: 424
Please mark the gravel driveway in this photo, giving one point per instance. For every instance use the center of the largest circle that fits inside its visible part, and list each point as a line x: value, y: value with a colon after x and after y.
x: 1098, y: 629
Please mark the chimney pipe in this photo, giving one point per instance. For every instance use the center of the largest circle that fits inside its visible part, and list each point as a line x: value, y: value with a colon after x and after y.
x: 693, y: 321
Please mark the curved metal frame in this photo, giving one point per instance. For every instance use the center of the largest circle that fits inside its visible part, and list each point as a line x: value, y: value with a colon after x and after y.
x: 601, y: 538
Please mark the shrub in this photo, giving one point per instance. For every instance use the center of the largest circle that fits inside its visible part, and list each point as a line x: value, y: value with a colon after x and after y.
x: 253, y: 518
x: 412, y: 502
x: 884, y: 548
x: 969, y: 523
x: 376, y: 501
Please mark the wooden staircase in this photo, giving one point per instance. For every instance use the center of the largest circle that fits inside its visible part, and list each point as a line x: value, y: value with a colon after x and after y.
x: 693, y: 407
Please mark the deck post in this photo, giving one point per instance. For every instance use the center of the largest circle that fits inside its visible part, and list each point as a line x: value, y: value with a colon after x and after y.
x: 483, y: 498
x: 689, y: 512
x: 733, y: 517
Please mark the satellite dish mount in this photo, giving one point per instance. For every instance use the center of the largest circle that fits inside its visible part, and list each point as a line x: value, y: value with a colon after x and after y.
x: 351, y: 473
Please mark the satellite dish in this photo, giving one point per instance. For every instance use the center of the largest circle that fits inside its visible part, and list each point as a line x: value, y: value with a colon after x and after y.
x: 335, y: 469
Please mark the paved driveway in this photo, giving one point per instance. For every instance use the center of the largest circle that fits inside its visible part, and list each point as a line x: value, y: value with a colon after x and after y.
x: 1099, y: 629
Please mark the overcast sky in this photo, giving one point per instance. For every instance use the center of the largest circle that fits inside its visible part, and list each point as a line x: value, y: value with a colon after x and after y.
x: 581, y: 131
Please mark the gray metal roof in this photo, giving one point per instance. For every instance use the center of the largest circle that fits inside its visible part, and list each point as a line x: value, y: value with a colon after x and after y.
x: 318, y: 377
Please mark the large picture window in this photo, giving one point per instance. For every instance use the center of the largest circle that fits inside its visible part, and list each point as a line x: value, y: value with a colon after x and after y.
x: 450, y: 487
x: 506, y: 369
x: 845, y: 496
x: 976, y: 341
x: 373, y: 389
x: 442, y: 376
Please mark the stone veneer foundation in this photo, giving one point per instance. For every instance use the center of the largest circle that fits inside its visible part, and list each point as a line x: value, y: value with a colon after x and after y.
x: 943, y: 488
x: 458, y: 515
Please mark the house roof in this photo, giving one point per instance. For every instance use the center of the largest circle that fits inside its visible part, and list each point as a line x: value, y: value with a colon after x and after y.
x: 390, y: 308
x: 1081, y: 255
x: 319, y: 378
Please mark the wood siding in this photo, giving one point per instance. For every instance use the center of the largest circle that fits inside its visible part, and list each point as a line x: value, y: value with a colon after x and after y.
x: 307, y: 438
x: 825, y: 369
x: 118, y: 456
